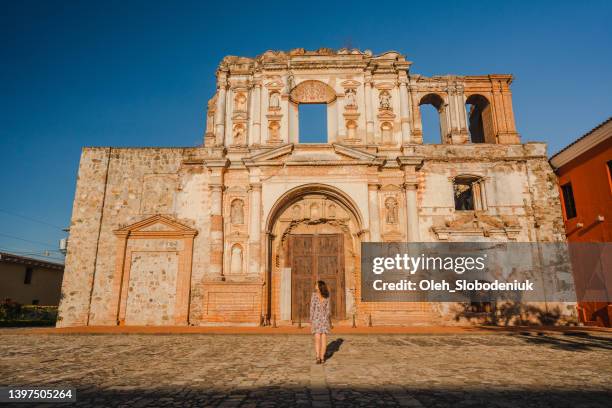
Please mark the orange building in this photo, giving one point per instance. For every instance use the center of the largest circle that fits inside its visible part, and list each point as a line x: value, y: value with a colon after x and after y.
x: 584, y: 170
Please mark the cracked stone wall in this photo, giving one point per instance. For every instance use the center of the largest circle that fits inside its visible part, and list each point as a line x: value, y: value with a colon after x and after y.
x: 117, y: 187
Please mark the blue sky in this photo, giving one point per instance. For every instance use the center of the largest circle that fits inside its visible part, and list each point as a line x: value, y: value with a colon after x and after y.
x: 130, y: 73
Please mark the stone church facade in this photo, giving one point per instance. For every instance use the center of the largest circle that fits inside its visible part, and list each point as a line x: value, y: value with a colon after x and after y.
x: 237, y: 230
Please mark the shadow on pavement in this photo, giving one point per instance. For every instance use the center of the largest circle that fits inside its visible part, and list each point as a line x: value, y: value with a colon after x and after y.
x: 568, y: 342
x: 274, y: 396
x: 333, y: 347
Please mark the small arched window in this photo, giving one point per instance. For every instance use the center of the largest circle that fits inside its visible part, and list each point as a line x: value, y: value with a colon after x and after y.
x: 469, y: 193
x: 386, y: 130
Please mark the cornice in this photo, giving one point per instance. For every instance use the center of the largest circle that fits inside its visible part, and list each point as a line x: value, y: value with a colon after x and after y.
x: 583, y: 144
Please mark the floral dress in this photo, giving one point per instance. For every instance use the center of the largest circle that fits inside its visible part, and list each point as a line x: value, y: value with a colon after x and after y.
x: 319, y: 314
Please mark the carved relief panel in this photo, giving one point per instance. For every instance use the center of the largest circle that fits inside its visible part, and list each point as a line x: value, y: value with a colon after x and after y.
x: 313, y: 92
x: 393, y: 215
x: 158, y: 194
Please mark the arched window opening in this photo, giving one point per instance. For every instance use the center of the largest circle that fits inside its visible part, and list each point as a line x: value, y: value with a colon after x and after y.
x: 313, y: 123
x: 469, y: 193
x: 480, y: 120
x: 236, y: 260
x: 386, y: 130
x: 432, y: 108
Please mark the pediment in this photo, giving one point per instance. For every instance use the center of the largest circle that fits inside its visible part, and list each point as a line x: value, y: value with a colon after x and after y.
x: 384, y: 85
x: 274, y: 85
x: 292, y: 154
x: 157, y: 225
x: 240, y: 116
x: 353, y: 153
x: 386, y: 115
x: 476, y: 224
x: 269, y: 155
x: 350, y: 83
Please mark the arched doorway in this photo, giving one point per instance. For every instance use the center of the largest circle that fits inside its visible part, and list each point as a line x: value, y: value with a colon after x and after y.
x: 313, y: 233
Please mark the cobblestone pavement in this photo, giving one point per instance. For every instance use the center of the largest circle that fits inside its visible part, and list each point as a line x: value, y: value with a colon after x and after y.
x: 498, y: 370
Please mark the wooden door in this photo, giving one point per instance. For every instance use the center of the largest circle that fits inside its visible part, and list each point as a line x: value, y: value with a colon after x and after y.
x: 302, y: 275
x: 316, y: 257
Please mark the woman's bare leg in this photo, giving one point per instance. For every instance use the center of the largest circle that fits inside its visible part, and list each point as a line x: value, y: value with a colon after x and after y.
x: 323, y: 345
x: 317, y: 339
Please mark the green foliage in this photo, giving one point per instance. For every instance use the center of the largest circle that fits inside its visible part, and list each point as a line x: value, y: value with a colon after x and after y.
x: 13, y: 314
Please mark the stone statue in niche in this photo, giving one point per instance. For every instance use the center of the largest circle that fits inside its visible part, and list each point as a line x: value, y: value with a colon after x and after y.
x: 237, y: 212
x: 351, y: 98
x: 314, y: 212
x: 295, y: 212
x: 240, y: 103
x: 385, y: 100
x: 236, y: 260
x: 274, y: 130
x: 239, y: 135
x: 331, y: 211
x: 290, y: 82
x: 274, y: 100
x: 391, y: 210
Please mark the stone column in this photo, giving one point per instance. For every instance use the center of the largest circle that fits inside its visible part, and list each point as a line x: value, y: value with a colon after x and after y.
x: 369, y: 112
x: 332, y: 126
x: 463, y: 126
x: 220, y: 110
x: 374, y: 212
x: 404, y: 113
x: 410, y: 165
x: 455, y: 108
x: 216, y: 231
x: 256, y: 112
x: 412, y: 214
x: 294, y: 125
x: 216, y: 237
x: 255, y: 228
x: 340, y: 110
x: 229, y: 109
x: 417, y: 126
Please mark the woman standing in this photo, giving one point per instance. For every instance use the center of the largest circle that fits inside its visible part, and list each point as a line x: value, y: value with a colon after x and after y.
x: 319, y: 319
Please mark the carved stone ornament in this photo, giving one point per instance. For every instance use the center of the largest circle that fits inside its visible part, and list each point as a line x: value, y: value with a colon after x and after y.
x: 391, y: 213
x: 237, y: 212
x: 351, y: 98
x: 274, y: 100
x: 385, y: 100
x: 240, y: 102
x: 312, y: 92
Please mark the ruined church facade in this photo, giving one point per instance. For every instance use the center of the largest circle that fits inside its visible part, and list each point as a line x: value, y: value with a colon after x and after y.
x: 237, y: 230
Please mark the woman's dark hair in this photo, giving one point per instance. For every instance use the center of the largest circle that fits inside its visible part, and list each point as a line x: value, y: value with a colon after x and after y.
x: 323, y: 289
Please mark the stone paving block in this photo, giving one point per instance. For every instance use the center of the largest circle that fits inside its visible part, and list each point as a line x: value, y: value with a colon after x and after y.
x: 384, y: 370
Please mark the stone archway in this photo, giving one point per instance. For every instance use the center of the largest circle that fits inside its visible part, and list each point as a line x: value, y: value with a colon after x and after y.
x: 314, y: 233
